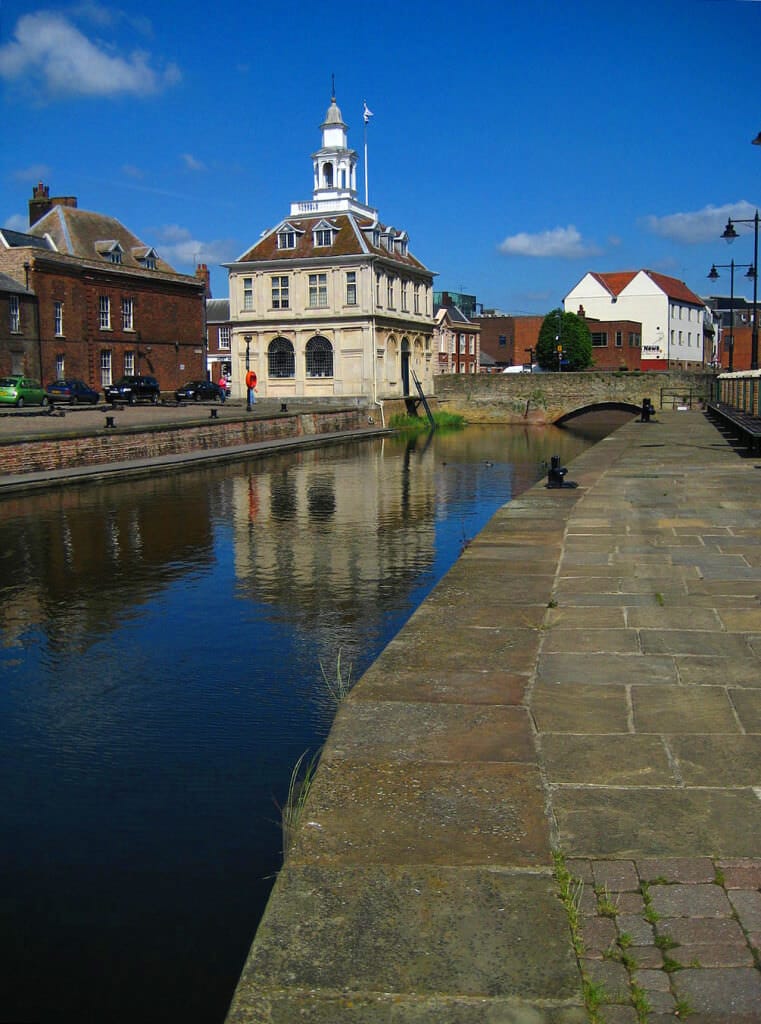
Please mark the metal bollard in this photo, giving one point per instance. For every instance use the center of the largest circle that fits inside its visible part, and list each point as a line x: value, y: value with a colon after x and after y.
x: 213, y: 414
x: 283, y: 407
x: 110, y: 422
x: 556, y: 472
x: 648, y: 410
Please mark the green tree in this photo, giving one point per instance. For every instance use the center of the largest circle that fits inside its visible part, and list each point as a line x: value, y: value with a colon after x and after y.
x: 570, y: 331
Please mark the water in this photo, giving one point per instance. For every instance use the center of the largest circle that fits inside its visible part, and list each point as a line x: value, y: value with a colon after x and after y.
x: 161, y: 646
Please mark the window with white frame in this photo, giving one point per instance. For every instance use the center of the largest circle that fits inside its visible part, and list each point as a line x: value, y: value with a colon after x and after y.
x: 351, y: 288
x: 404, y: 295
x: 129, y: 362
x: 286, y: 239
x: 14, y: 308
x: 619, y: 339
x: 390, y: 291
x: 323, y: 237
x: 472, y: 341
x: 318, y: 291
x: 280, y: 296
x: 128, y: 310
x: 635, y: 340
x: 377, y: 289
x: 461, y: 340
x: 58, y: 318
x: 416, y: 299
x: 599, y: 339
x: 225, y: 337
x: 248, y: 293
x: 60, y: 366
x: 104, y: 313
x: 105, y: 366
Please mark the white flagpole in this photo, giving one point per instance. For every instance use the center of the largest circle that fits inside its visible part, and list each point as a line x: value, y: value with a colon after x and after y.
x: 366, y: 114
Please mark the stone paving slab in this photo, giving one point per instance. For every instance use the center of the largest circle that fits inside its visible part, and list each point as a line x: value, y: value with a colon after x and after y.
x: 593, y: 701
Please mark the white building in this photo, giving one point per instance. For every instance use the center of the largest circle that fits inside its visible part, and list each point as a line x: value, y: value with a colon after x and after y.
x: 330, y: 301
x: 670, y: 313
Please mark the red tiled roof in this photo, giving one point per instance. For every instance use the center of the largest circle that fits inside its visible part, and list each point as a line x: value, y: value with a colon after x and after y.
x: 616, y: 282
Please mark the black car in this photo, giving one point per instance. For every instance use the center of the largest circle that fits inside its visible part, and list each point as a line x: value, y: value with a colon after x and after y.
x: 73, y: 391
x: 199, y: 391
x: 132, y: 389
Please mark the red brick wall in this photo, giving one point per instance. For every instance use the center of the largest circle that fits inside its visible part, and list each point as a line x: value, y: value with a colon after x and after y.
x: 116, y: 445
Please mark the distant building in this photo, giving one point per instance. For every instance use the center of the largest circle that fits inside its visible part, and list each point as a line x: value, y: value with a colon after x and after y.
x: 509, y: 340
x: 467, y: 303
x: 616, y: 344
x: 732, y: 319
x: 670, y: 313
x: 219, y: 334
x: 107, y: 303
x: 331, y: 301
x: 456, y: 340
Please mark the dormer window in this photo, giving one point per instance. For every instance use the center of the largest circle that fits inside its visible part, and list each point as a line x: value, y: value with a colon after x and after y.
x: 323, y: 234
x: 110, y: 250
x: 146, y: 257
x: 286, y: 237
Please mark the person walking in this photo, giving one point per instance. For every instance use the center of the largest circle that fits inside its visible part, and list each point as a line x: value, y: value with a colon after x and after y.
x: 222, y: 382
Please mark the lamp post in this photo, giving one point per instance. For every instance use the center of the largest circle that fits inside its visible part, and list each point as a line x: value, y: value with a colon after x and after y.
x: 713, y: 275
x: 247, y: 339
x: 730, y: 235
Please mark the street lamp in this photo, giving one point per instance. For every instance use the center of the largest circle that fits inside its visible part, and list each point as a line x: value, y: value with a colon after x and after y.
x: 713, y: 275
x: 247, y: 339
x: 729, y: 234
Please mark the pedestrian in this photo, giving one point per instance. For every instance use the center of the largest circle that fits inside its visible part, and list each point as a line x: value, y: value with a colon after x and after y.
x: 222, y: 388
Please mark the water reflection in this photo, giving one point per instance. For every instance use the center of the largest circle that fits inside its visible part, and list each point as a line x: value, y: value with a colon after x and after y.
x: 160, y: 649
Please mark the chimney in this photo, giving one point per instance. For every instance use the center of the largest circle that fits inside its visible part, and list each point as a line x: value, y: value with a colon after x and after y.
x: 202, y: 273
x: 41, y: 203
x: 582, y: 312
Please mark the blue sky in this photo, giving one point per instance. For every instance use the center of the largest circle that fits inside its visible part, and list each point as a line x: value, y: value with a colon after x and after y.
x: 519, y: 144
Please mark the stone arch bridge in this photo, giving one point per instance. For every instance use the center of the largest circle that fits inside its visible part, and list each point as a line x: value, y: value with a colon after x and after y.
x: 542, y: 398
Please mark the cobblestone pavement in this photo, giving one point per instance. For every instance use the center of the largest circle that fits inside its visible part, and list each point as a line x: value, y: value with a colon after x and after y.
x: 669, y: 938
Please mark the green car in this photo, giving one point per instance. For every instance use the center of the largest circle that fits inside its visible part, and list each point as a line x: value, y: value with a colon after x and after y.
x: 17, y: 390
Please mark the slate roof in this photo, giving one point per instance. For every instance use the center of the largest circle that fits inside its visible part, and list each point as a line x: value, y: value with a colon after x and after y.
x: 671, y: 286
x: 81, y: 233
x: 350, y: 239
x: 217, y: 311
x: 10, y: 284
x: 21, y: 240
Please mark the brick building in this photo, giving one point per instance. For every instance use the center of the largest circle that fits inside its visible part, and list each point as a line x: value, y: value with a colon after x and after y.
x: 456, y: 340
x: 509, y: 340
x: 107, y: 303
x: 19, y: 334
x: 218, y: 339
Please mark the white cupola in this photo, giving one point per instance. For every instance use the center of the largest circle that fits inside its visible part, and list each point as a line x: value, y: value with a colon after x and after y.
x: 335, y: 165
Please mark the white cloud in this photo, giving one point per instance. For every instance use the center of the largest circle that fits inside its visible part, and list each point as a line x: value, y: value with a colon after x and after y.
x: 699, y: 226
x: 181, y: 249
x: 564, y: 243
x: 32, y: 173
x: 17, y: 222
x: 47, y: 47
x: 191, y: 163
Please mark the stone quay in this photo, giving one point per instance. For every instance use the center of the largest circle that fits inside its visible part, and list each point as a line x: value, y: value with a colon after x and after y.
x: 542, y: 803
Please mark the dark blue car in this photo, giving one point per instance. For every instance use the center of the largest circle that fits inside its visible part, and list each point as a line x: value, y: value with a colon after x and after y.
x: 72, y: 391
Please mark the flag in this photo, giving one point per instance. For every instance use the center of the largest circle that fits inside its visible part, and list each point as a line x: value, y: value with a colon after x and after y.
x: 367, y: 113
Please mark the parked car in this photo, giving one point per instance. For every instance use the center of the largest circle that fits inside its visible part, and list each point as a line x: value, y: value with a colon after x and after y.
x: 19, y: 391
x: 73, y: 391
x: 133, y: 388
x: 198, y: 391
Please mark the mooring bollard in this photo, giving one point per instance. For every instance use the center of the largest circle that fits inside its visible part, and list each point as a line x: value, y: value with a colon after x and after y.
x: 556, y: 472
x: 110, y: 422
x: 283, y: 407
x: 213, y: 414
x: 648, y: 410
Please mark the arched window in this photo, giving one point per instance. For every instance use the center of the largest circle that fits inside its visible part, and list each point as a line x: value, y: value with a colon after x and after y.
x: 327, y: 175
x: 281, y: 361
x: 319, y: 353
